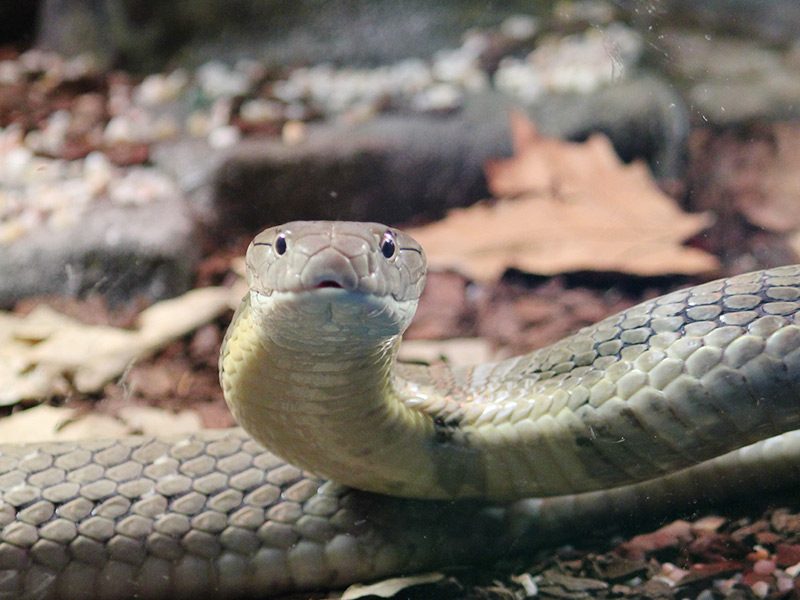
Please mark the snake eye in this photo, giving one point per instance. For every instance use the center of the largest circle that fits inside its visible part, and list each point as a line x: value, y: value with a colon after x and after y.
x: 280, y: 244
x: 388, y: 246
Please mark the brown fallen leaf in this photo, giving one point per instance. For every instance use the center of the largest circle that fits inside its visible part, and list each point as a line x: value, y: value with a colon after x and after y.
x: 568, y: 207
x: 389, y: 587
x: 669, y: 536
x: 454, y: 352
x: 46, y: 353
x: 45, y: 423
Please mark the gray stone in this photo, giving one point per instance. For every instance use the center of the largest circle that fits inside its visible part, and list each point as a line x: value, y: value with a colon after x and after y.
x: 146, y: 34
x: 122, y: 252
x: 732, y: 81
x: 398, y: 167
x: 776, y: 21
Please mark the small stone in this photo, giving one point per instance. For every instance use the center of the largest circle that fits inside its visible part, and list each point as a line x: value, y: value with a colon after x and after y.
x: 439, y: 98
x: 293, y: 132
x: 224, y: 137
x: 159, y: 88
x: 519, y: 27
x: 217, y: 79
x: 760, y: 589
x: 260, y: 111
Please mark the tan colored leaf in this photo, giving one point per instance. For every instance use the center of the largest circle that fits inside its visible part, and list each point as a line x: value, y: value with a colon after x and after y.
x: 48, y: 423
x: 45, y: 423
x: 454, y: 352
x: 47, y: 353
x: 147, y: 420
x: 576, y: 207
x: 388, y: 588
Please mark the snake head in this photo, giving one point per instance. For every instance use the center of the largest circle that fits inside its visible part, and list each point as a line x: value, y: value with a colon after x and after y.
x: 345, y: 261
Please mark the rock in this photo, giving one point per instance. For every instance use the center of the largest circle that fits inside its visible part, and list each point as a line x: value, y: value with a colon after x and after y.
x: 391, y: 169
x: 146, y: 34
x: 776, y: 21
x: 121, y: 251
x: 397, y: 167
x: 732, y: 81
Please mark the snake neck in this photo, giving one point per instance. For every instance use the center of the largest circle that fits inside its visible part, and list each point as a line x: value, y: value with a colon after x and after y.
x: 304, y: 392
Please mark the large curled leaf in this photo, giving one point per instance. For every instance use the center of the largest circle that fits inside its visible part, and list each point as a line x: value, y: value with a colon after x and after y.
x: 567, y: 207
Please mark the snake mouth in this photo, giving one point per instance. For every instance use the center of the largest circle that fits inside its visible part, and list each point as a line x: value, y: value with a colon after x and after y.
x: 328, y: 283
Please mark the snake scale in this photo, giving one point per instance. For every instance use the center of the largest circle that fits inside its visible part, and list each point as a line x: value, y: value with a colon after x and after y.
x: 690, y: 395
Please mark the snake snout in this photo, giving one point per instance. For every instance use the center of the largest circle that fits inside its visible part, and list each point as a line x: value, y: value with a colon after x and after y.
x: 329, y: 269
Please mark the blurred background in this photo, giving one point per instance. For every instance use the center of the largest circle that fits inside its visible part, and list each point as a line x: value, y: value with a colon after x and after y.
x: 559, y: 160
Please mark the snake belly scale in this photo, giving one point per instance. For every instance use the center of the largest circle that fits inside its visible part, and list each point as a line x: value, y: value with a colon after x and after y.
x: 679, y: 396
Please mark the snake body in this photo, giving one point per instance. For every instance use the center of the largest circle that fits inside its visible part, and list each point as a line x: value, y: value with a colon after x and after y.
x: 679, y: 397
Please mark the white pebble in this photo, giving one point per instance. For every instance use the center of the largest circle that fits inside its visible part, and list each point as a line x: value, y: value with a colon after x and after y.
x: 97, y: 172
x: 140, y: 186
x: 224, y: 137
x: 519, y: 27
x: 35, y: 61
x: 440, y: 97
x: 15, y: 165
x: 10, y: 72
x: 519, y: 79
x: 218, y: 80
x: 55, y: 131
x: 293, y: 132
x: 159, y: 88
x: 261, y: 111
x: 760, y: 589
x: 118, y: 130
x: 528, y: 584
x: 453, y: 65
x: 583, y: 62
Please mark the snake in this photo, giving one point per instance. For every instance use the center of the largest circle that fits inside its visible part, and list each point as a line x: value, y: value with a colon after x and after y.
x: 350, y: 466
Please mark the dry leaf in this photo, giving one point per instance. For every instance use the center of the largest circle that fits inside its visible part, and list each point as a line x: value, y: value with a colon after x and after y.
x: 527, y: 583
x: 148, y: 420
x: 454, y: 352
x: 46, y: 353
x: 45, y: 423
x: 389, y: 587
x: 577, y: 207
